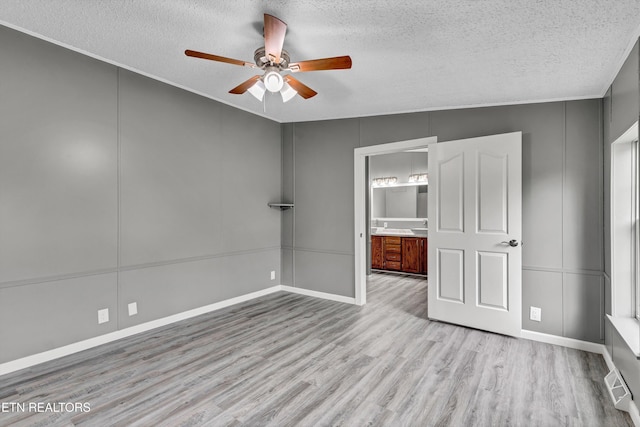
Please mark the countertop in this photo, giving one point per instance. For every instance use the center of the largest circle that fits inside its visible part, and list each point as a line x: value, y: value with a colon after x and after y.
x: 399, y: 232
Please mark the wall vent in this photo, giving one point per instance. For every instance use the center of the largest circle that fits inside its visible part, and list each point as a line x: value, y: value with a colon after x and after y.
x: 618, y: 390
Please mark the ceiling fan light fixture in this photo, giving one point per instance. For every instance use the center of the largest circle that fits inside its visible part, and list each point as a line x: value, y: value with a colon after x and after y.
x: 273, y: 81
x: 287, y: 92
x: 258, y: 90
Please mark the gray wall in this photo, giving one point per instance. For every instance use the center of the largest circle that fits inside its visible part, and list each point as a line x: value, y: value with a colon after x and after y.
x: 621, y: 108
x: 562, y: 201
x: 317, y: 251
x: 288, y: 216
x: 116, y: 188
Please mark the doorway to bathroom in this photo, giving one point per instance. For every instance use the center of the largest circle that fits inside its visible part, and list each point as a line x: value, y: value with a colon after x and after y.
x: 397, y: 211
x: 390, y: 209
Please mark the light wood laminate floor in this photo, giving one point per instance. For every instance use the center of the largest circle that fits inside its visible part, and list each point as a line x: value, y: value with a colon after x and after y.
x: 287, y: 359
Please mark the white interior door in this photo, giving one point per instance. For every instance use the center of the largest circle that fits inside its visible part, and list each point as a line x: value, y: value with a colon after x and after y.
x: 475, y: 230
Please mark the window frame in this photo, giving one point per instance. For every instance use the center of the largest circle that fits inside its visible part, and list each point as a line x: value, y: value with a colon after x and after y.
x: 624, y: 229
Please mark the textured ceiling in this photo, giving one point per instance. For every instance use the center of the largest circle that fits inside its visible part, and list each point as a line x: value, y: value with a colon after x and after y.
x: 408, y: 55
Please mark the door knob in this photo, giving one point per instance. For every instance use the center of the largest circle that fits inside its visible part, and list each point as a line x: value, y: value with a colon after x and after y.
x: 513, y: 243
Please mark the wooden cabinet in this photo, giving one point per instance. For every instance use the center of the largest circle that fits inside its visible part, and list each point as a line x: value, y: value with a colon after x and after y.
x: 405, y: 254
x: 411, y: 261
x: 377, y: 252
x: 423, y: 255
x: 392, y: 253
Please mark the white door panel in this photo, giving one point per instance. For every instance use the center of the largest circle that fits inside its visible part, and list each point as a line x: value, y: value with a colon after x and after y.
x: 451, y: 194
x: 476, y: 201
x: 492, y: 293
x: 451, y: 277
x: 491, y: 173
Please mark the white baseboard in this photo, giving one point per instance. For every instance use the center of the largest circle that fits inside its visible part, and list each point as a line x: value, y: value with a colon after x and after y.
x: 26, y: 362
x: 35, y: 359
x: 316, y: 294
x: 607, y: 359
x: 563, y: 341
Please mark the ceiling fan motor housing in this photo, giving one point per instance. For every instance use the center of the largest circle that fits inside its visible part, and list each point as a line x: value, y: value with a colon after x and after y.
x: 262, y: 60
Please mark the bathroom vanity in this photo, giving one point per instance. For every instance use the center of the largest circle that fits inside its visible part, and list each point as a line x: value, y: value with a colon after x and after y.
x: 400, y: 253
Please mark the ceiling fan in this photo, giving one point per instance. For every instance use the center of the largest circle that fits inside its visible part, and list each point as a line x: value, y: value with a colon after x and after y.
x: 274, y: 60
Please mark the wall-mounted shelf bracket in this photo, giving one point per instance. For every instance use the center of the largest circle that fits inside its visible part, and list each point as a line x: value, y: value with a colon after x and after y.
x: 281, y: 206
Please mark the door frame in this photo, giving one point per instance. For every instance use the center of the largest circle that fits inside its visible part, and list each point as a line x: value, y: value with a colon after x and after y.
x: 360, y: 187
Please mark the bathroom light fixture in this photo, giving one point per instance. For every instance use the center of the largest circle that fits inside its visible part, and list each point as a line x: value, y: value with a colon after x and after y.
x: 386, y: 180
x: 419, y: 177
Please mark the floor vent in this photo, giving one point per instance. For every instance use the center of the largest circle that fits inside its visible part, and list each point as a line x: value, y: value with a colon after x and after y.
x: 618, y: 390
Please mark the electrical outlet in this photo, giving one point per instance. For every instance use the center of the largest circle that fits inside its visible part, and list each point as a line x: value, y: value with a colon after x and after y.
x: 535, y: 314
x: 133, y: 308
x: 273, y: 275
x: 103, y: 315
x: 385, y: 225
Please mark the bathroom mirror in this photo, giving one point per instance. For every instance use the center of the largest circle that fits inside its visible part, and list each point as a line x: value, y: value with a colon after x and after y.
x: 401, y: 201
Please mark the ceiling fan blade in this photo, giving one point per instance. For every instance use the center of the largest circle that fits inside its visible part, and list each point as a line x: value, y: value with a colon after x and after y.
x: 335, y: 63
x: 303, y: 90
x: 274, y: 31
x: 244, y: 86
x: 211, y: 57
